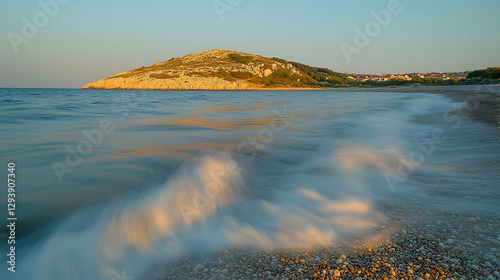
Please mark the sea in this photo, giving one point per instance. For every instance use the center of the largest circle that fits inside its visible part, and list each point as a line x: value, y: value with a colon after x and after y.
x: 108, y: 181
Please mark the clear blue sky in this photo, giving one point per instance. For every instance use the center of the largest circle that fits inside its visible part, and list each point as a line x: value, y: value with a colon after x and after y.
x: 90, y: 39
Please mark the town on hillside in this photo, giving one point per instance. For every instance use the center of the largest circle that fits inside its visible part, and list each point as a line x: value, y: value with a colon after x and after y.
x: 408, y: 76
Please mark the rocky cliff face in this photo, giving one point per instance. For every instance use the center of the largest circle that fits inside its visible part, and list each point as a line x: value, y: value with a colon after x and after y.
x: 210, y: 70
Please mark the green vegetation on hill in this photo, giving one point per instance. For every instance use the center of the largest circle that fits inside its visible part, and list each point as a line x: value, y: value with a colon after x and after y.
x: 226, y: 75
x: 325, y: 77
x: 316, y: 76
x: 279, y: 60
x: 240, y: 58
x: 241, y: 74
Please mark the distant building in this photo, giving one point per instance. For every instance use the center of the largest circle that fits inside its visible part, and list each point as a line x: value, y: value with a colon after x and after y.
x: 407, y: 77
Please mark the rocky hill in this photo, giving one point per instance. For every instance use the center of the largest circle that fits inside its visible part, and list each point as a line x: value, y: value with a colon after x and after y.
x: 220, y: 70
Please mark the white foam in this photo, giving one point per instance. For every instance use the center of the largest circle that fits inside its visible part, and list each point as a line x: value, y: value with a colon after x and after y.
x: 197, y: 211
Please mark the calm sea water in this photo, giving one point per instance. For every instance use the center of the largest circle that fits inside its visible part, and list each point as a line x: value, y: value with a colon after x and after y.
x: 110, y: 179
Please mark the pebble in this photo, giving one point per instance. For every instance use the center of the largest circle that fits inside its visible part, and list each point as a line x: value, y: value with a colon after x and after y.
x: 199, y: 267
x: 477, y: 229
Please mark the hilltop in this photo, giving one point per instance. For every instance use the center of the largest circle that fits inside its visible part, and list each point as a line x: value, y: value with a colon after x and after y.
x: 222, y: 70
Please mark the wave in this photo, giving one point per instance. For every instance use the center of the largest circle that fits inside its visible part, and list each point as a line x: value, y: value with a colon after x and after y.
x: 208, y: 206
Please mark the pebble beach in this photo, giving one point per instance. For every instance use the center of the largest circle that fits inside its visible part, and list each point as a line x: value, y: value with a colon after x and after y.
x: 416, y: 246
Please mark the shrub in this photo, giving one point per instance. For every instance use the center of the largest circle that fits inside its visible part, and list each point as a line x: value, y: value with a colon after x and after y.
x: 281, y: 73
x: 237, y: 75
x: 279, y: 60
x: 449, y: 82
x: 488, y: 73
x: 240, y: 58
x: 241, y: 75
x: 473, y: 81
x: 231, y: 79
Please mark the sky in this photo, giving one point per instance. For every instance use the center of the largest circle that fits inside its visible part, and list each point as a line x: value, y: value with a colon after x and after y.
x: 68, y: 43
